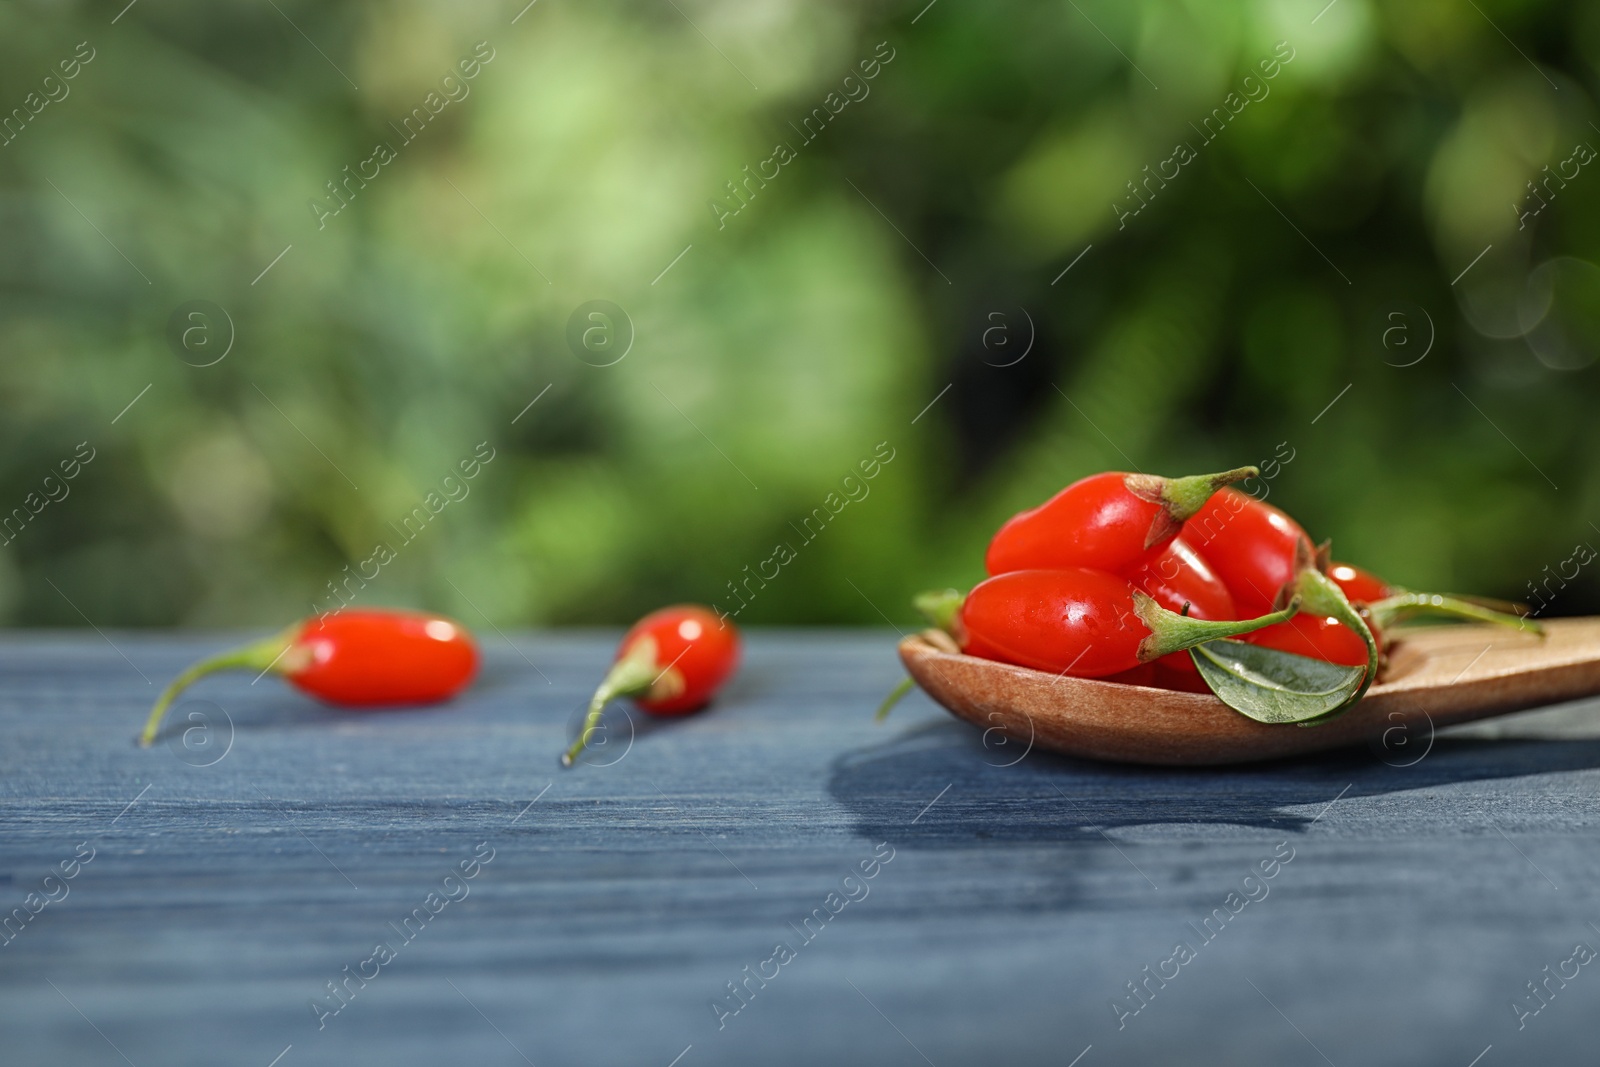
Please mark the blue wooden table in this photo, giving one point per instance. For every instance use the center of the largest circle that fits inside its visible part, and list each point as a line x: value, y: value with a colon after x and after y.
x: 777, y: 881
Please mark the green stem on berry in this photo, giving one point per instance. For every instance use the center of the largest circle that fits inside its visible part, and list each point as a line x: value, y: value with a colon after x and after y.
x: 894, y: 697
x: 941, y: 607
x: 632, y: 675
x: 1321, y: 595
x: 1400, y: 608
x: 1180, y: 498
x: 261, y: 656
x: 1172, y: 632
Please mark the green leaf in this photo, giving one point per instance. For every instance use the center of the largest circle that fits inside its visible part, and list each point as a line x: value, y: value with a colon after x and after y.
x: 1275, y: 687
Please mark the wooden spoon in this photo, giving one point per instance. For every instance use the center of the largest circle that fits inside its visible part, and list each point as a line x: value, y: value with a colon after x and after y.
x: 1435, y: 677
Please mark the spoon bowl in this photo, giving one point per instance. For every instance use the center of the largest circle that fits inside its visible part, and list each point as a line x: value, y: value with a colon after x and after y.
x: 1435, y: 677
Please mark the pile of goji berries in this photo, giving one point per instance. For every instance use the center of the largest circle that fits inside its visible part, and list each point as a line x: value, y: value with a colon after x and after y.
x: 1118, y: 575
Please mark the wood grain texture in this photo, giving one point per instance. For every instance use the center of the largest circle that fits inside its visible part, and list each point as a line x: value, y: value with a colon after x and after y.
x: 1435, y: 677
x: 1025, y: 891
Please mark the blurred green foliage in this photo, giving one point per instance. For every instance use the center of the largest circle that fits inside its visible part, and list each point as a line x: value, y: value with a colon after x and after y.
x: 919, y: 241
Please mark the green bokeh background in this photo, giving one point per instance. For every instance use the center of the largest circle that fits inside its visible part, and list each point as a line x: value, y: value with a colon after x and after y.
x: 916, y: 243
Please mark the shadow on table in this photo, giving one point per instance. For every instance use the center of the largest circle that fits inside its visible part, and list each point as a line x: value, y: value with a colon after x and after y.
x: 985, y: 791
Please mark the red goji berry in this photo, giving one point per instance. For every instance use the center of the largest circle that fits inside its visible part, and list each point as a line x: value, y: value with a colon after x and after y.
x: 1181, y: 580
x: 1361, y: 586
x: 1255, y: 548
x: 1112, y: 522
x: 1081, y: 622
x: 670, y: 662
x: 1317, y: 636
x: 355, y: 658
